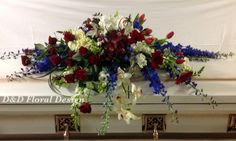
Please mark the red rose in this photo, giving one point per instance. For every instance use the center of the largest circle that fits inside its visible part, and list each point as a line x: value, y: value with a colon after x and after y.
x: 52, y: 40
x: 180, y: 53
x: 142, y: 17
x: 71, y: 53
x: 80, y: 74
x: 25, y: 60
x: 184, y: 77
x: 83, y: 51
x: 179, y: 61
x: 157, y: 59
x: 68, y: 36
x: 70, y: 78
x: 147, y: 31
x: 149, y: 40
x: 170, y: 35
x: 94, y: 59
x: 69, y: 62
x: 52, y: 51
x: 85, y: 108
x: 55, y: 59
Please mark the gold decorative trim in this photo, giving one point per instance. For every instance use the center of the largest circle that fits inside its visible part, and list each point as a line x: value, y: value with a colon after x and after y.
x: 151, y: 121
x: 214, y: 79
x: 65, y: 122
x: 232, y: 123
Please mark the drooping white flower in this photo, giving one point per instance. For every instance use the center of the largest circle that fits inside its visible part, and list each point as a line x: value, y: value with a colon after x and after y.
x: 141, y: 60
x: 123, y: 77
x: 136, y: 92
x: 127, y: 116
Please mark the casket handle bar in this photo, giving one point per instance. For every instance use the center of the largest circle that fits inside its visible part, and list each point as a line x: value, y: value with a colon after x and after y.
x: 66, y: 133
x: 155, y: 133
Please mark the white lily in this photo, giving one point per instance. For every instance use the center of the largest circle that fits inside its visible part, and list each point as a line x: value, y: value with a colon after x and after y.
x: 123, y: 77
x: 136, y: 92
x: 108, y: 23
x: 127, y: 116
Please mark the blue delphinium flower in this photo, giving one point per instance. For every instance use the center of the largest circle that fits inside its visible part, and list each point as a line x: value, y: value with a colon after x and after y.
x: 137, y: 25
x: 187, y: 50
x: 155, y: 82
x: 190, y: 51
x: 44, y: 65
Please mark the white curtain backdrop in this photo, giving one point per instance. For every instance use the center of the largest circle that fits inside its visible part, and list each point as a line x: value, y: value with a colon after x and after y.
x: 204, y: 24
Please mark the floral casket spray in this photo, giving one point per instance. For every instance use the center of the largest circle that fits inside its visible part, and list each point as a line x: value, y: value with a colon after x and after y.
x: 102, y: 56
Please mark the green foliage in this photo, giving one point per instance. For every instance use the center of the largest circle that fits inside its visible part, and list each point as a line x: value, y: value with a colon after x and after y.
x: 77, y: 57
x: 198, y: 73
x: 105, y: 119
x: 169, y: 62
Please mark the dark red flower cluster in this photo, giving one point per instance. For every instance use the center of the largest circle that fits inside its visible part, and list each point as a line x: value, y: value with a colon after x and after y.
x: 55, y: 59
x: 157, y: 59
x: 25, y: 60
x: 136, y: 36
x: 83, y: 51
x: 80, y: 74
x: 52, y: 40
x: 184, y: 77
x: 68, y: 36
x: 116, y: 43
x: 52, y: 51
x: 70, y: 78
x: 71, y: 53
x: 69, y: 62
x: 85, y: 108
x: 94, y: 59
